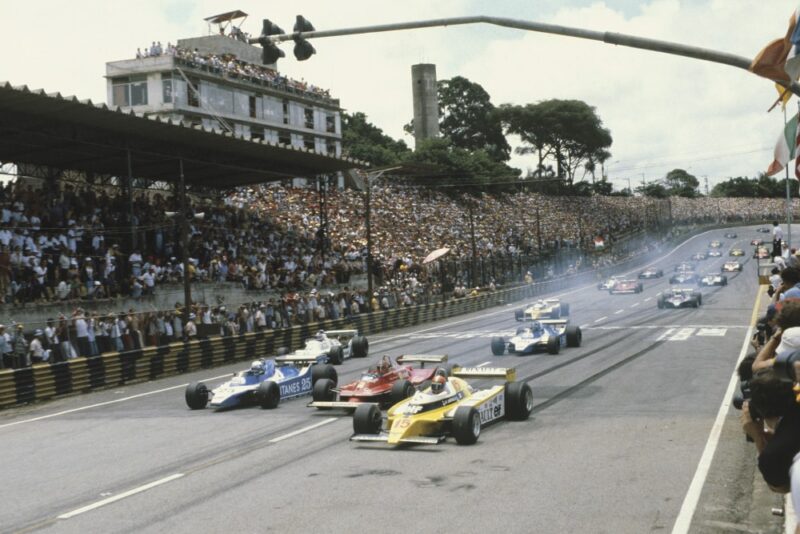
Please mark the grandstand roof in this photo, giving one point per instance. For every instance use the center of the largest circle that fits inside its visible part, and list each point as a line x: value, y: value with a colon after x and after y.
x: 66, y: 133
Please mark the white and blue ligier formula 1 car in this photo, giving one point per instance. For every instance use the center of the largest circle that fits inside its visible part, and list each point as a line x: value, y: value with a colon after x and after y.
x: 539, y: 335
x: 266, y: 383
x: 335, y: 345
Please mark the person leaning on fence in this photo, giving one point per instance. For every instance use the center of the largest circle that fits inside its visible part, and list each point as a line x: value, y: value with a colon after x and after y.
x: 6, y: 349
x: 36, y: 351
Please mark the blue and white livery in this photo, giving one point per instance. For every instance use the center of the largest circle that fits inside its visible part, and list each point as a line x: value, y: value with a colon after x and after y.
x: 335, y: 346
x: 266, y: 383
x: 539, y: 335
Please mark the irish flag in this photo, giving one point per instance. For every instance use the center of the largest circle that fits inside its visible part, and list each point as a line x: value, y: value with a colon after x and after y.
x: 785, y: 148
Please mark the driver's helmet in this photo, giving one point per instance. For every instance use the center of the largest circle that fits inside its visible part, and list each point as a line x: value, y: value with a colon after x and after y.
x: 257, y: 367
x: 384, y: 365
x: 320, y: 335
x: 438, y: 381
x: 536, y: 328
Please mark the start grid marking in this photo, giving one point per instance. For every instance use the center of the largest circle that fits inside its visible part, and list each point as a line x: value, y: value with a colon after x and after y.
x: 668, y: 332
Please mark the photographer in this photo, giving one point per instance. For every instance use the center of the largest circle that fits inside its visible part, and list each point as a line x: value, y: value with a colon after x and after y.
x: 772, y: 405
x: 785, y: 336
x: 790, y: 285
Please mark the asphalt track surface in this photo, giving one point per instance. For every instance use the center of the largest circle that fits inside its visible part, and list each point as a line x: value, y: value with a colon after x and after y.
x: 618, y: 428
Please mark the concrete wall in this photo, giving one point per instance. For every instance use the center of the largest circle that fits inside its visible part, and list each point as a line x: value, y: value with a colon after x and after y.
x: 426, y: 101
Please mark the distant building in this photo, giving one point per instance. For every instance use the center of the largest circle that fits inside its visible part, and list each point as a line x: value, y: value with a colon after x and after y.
x: 218, y: 82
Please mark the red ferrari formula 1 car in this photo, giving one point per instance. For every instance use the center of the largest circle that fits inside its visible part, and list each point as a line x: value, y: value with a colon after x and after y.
x: 386, y: 384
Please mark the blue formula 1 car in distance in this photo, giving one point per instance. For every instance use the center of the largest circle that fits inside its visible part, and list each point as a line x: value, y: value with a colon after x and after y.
x: 266, y: 383
x: 537, y: 336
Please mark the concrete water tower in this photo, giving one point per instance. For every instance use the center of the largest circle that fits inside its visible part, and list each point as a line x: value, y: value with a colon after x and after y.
x: 426, y: 101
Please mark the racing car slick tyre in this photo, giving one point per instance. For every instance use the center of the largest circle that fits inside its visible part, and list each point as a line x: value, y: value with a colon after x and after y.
x: 724, y: 280
x: 282, y: 351
x: 672, y: 280
x: 324, y: 370
x: 268, y: 394
x: 553, y: 345
x: 360, y: 347
x: 640, y: 287
x: 323, y: 390
x: 564, y: 309
x: 498, y: 346
x: 574, y: 336
x: 336, y: 355
x: 367, y: 419
x: 196, y: 395
x: 519, y: 401
x: 519, y: 315
x: 699, y: 298
x: 660, y: 303
x: 466, y: 425
x: 401, y: 390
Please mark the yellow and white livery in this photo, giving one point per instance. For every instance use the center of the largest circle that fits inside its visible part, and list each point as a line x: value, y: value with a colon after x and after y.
x: 543, y: 309
x: 458, y: 410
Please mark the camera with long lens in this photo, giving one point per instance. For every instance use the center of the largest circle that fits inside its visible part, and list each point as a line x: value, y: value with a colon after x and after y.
x: 742, y: 395
x: 784, y: 364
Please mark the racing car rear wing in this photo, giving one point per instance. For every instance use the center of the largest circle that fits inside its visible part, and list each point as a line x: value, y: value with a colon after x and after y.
x: 422, y: 358
x: 507, y: 373
x: 337, y: 333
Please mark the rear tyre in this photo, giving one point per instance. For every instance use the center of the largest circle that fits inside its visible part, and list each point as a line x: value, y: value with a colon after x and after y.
x: 324, y: 370
x: 519, y: 401
x: 367, y: 419
x: 660, y: 303
x: 519, y: 315
x: 360, y: 347
x: 564, y: 309
x: 553, y: 345
x: 574, y: 336
x: 498, y: 346
x: 466, y: 425
x: 336, y: 355
x: 401, y: 390
x: 196, y: 395
x: 323, y: 390
x: 724, y: 280
x: 268, y: 394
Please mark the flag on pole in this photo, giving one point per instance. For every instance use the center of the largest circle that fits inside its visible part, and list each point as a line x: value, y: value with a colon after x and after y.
x: 785, y: 148
x: 780, y: 59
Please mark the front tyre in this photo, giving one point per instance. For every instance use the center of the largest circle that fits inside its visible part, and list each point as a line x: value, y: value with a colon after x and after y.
x: 574, y: 336
x: 498, y: 346
x: 268, y: 395
x: 466, y: 425
x: 196, y: 395
x: 336, y: 355
x: 324, y: 370
x: 323, y: 390
x: 519, y: 401
x: 553, y: 345
x: 367, y: 419
x: 360, y: 347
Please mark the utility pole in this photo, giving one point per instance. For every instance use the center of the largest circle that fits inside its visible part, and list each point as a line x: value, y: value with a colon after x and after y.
x: 706, y: 178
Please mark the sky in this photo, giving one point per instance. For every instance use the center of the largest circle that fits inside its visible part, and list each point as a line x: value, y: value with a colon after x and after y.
x: 664, y: 112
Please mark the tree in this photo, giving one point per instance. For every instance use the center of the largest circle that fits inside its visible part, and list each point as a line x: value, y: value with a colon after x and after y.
x: 761, y: 187
x: 568, y: 131
x: 472, y: 168
x: 682, y: 184
x: 653, y: 189
x: 365, y: 141
x: 467, y: 117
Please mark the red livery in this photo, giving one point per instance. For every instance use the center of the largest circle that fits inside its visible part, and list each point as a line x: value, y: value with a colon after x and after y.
x: 626, y: 286
x: 386, y: 384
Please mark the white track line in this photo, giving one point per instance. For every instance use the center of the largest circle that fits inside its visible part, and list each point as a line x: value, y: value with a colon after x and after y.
x: 648, y: 299
x: 484, y: 363
x: 302, y: 430
x: 618, y: 311
x: 684, y: 520
x: 121, y: 496
x: 73, y: 410
x: 634, y: 305
x: 603, y: 318
x: 584, y: 326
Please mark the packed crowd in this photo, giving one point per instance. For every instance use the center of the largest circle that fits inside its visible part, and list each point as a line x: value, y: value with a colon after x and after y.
x: 228, y: 65
x: 724, y: 209
x: 63, y: 244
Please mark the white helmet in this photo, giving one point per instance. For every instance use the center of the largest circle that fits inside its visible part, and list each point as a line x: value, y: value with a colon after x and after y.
x: 320, y: 335
x: 257, y: 367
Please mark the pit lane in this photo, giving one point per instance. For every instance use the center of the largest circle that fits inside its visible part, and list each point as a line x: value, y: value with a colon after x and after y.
x: 618, y: 427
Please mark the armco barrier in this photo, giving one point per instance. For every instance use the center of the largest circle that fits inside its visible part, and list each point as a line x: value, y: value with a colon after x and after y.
x: 44, y: 381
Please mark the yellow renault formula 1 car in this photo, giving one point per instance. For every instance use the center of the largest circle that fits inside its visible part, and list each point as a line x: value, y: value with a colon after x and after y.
x: 448, y: 407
